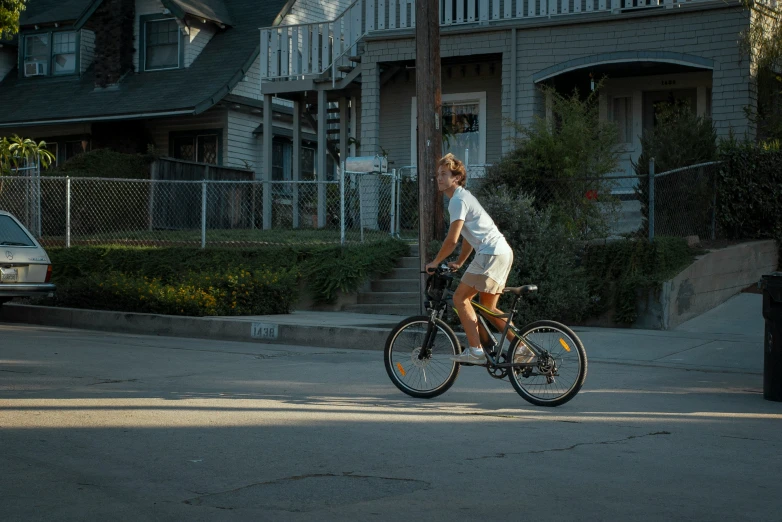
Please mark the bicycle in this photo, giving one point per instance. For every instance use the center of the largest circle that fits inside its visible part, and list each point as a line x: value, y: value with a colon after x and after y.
x: 542, y: 354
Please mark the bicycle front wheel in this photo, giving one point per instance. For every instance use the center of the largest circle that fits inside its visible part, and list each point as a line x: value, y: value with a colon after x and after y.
x: 556, y: 378
x: 419, y: 371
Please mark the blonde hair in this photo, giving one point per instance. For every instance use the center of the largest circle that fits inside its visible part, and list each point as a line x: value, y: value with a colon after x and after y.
x: 455, y: 166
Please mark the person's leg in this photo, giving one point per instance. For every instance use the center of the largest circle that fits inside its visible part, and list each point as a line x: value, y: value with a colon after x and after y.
x: 461, y: 301
x: 489, y: 301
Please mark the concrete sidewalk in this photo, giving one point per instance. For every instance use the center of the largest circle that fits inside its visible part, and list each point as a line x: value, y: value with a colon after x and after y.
x: 728, y: 338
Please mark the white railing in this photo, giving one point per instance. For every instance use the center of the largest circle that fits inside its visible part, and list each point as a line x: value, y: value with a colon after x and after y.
x: 311, y: 50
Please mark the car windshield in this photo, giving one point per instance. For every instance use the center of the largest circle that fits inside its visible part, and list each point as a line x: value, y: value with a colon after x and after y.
x: 11, y: 234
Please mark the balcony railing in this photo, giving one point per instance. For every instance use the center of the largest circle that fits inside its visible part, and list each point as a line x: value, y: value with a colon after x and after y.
x: 314, y: 49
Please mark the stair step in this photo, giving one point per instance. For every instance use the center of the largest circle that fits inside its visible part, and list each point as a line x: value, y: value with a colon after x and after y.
x: 331, y: 121
x: 333, y: 110
x: 345, y: 68
x: 409, y: 262
x: 395, y: 285
x: 355, y: 59
x: 403, y: 273
x: 414, y: 251
x: 389, y: 298
x: 384, y: 309
x: 333, y: 131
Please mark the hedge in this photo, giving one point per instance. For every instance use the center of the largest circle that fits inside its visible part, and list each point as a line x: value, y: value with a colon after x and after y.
x: 191, y: 281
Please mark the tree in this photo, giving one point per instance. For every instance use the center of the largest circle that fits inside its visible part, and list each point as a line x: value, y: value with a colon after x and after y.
x: 10, y: 10
x: 762, y: 43
x: 15, y: 150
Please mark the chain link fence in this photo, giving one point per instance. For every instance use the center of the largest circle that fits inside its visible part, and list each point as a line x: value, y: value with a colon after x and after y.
x: 92, y: 211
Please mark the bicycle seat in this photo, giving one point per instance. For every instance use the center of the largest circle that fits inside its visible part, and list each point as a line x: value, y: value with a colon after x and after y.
x: 520, y: 290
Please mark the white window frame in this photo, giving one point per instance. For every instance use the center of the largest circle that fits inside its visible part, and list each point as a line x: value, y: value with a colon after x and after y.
x: 460, y: 97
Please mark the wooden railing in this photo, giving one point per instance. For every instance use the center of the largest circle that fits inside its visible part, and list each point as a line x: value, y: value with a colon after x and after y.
x: 314, y: 49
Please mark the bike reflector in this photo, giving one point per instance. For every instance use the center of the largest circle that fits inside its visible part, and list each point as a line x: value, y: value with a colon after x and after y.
x: 564, y: 344
x: 401, y: 370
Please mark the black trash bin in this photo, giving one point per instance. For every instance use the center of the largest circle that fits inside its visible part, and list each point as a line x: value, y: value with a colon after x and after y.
x: 772, y: 355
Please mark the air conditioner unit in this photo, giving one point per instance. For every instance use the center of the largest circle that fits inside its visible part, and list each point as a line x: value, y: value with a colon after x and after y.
x: 35, y: 68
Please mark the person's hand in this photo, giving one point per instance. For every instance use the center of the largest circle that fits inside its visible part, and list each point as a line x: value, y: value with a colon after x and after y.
x: 454, y: 266
x: 431, y: 267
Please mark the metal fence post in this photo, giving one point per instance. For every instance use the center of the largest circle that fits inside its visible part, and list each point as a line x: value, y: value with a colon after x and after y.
x: 203, y: 214
x: 68, y: 212
x: 393, y: 202
x: 715, y: 171
x: 342, y: 204
x: 360, y: 207
x: 651, y: 200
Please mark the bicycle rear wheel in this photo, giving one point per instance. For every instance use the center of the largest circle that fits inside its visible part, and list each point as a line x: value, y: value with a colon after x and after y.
x: 417, y: 372
x: 555, y: 379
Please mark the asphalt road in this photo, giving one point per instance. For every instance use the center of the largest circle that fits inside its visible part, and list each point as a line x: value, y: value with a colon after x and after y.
x: 95, y: 426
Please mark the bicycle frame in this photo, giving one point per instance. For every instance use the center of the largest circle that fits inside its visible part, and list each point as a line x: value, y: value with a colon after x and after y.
x: 439, y: 309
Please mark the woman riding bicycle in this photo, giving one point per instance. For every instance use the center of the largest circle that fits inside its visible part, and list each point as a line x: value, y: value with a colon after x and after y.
x: 488, y: 272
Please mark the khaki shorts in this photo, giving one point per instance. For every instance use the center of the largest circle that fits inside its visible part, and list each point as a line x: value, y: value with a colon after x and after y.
x: 488, y: 273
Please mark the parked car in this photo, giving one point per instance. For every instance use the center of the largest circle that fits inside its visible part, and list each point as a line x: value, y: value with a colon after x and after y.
x: 25, y: 269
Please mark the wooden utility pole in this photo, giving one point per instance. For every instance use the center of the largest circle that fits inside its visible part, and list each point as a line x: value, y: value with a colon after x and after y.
x: 430, y: 142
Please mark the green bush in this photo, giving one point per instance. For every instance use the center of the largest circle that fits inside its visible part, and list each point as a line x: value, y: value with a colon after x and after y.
x: 749, y: 192
x: 191, y: 281
x: 619, y: 273
x: 544, y: 254
x: 104, y: 163
x: 562, y: 165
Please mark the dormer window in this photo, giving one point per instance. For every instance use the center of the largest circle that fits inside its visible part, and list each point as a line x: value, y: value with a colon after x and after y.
x: 163, y: 47
x: 50, y: 53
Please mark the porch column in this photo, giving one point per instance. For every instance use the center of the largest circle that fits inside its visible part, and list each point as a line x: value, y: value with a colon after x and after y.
x: 296, y: 162
x: 322, y: 151
x: 353, y: 126
x: 268, y: 137
x: 370, y: 109
x: 700, y: 102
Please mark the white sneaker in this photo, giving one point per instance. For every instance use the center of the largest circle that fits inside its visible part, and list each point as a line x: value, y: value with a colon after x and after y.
x: 470, y: 356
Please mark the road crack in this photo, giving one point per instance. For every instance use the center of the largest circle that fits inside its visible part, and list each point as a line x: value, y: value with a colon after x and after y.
x: 574, y: 446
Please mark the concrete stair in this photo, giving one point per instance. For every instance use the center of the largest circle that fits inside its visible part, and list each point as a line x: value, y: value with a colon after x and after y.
x: 396, y: 294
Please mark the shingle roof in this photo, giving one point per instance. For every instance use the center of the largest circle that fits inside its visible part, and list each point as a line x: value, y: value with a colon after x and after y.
x: 214, y: 10
x: 223, y: 63
x: 50, y: 11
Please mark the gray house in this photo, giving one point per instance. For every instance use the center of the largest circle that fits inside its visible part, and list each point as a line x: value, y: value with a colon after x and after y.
x: 180, y: 75
x: 353, y: 68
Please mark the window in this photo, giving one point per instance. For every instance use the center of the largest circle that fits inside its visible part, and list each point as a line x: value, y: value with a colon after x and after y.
x: 200, y: 146
x: 74, y: 148
x: 48, y: 54
x: 622, y: 115
x: 463, y: 125
x: 162, y: 44
x: 307, y: 164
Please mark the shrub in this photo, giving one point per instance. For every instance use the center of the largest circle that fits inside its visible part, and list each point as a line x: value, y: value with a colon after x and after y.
x: 104, y: 163
x: 749, y: 191
x: 619, y: 272
x: 544, y: 254
x: 561, y: 165
x: 191, y: 281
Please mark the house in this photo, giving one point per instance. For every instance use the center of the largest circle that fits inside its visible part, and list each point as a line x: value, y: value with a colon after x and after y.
x: 495, y: 56
x: 181, y: 76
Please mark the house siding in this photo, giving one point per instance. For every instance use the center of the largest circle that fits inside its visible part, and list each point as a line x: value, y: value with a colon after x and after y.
x: 8, y: 58
x: 306, y: 11
x: 243, y: 147
x: 396, y: 109
x: 707, y: 33
x: 200, y: 35
x: 86, y: 50
x: 250, y: 85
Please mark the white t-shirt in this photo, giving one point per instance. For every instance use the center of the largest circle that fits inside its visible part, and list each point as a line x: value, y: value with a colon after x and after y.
x: 479, y: 229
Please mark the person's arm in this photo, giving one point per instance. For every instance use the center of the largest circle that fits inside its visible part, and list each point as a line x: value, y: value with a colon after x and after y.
x: 449, y: 245
x: 463, y: 255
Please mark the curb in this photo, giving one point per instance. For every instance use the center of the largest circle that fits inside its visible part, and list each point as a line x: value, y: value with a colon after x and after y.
x: 244, y: 330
